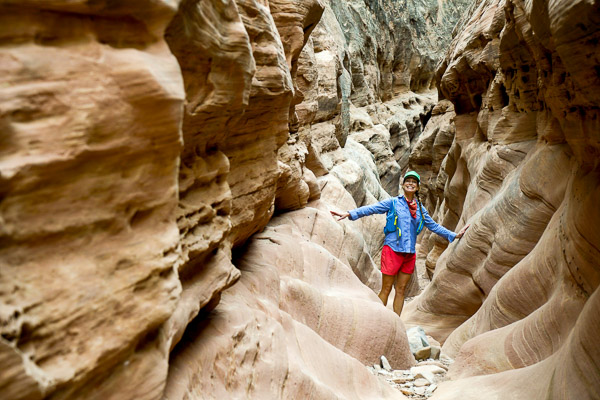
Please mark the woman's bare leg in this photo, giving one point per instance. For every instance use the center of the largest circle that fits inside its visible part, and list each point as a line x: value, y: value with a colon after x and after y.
x: 387, y: 281
x: 401, y: 282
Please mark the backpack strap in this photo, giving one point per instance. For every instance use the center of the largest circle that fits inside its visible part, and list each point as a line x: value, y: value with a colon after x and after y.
x: 398, y: 230
x: 391, y: 223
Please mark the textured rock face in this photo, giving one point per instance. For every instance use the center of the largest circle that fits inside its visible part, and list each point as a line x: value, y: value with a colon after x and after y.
x: 392, y: 47
x: 91, y: 102
x: 367, y: 52
x: 306, y: 264
x: 265, y: 338
x: 141, y: 142
x: 516, y: 299
x: 342, y: 67
x: 343, y: 83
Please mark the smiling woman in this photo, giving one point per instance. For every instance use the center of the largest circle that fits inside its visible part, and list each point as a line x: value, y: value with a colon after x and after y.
x: 405, y: 220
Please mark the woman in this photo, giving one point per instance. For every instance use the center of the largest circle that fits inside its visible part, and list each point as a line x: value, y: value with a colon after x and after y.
x: 398, y: 254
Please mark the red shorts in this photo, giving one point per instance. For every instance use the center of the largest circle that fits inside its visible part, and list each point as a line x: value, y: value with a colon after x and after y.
x: 392, y: 262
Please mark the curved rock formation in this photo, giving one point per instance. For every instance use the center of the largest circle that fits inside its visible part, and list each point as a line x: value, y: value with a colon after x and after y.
x: 143, y: 141
x: 514, y: 299
x: 265, y: 338
x: 90, y: 115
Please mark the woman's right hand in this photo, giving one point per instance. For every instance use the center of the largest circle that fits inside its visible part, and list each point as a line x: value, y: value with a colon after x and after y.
x: 340, y: 215
x: 462, y: 231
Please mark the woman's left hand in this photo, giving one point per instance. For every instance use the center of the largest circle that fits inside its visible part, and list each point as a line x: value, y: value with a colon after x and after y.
x: 462, y: 231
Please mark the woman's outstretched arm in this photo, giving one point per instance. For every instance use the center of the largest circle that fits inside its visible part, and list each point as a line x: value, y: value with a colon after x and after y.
x: 377, y: 208
x: 440, y: 230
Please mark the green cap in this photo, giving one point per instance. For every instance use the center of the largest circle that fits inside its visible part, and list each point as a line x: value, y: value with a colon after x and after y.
x: 412, y: 174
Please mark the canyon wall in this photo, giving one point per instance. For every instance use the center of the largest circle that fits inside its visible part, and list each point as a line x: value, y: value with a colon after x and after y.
x: 300, y: 320
x: 143, y: 145
x: 91, y: 109
x: 514, y: 151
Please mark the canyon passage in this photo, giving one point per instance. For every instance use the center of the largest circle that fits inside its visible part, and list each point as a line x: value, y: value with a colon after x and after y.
x: 168, y: 169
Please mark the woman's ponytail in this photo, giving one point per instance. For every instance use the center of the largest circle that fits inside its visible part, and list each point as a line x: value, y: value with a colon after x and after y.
x: 420, y: 227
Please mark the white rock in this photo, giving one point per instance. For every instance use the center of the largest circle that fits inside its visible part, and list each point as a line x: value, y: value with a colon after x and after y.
x: 431, y: 389
x: 416, y: 339
x: 421, y: 382
x: 385, y: 364
x: 439, y: 364
x: 419, y: 390
x: 427, y: 375
x: 434, y: 369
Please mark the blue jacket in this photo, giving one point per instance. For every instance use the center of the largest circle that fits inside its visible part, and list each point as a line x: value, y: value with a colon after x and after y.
x: 408, y: 225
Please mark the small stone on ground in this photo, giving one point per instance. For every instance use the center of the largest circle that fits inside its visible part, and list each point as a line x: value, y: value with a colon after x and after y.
x: 419, y: 382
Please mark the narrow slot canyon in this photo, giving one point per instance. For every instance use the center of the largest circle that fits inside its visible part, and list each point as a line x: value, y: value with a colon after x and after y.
x: 169, y: 169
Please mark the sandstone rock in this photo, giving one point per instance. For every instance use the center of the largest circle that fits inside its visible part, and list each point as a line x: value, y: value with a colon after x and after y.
x: 145, y: 143
x: 91, y: 114
x: 211, y: 189
x: 423, y: 353
x: 435, y: 352
x: 322, y: 292
x: 256, y: 344
x: 552, y: 374
x: 516, y: 172
x: 343, y: 240
x: 295, y: 21
x: 262, y: 86
x: 276, y: 334
x: 207, y: 49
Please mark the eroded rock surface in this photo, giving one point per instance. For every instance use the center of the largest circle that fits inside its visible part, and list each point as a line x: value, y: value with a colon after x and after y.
x: 514, y: 299
x: 142, y: 142
x: 331, y: 155
x: 90, y: 113
x: 265, y: 338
